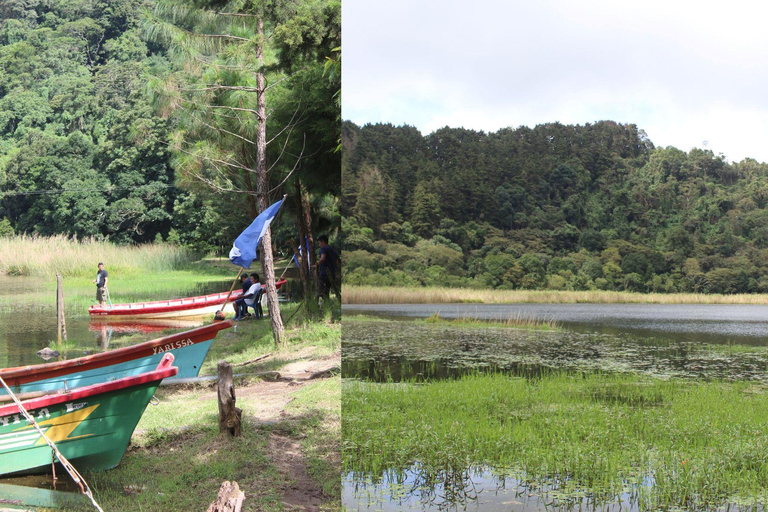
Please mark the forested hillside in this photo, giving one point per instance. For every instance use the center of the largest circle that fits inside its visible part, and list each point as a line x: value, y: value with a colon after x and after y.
x: 85, y: 147
x: 555, y: 206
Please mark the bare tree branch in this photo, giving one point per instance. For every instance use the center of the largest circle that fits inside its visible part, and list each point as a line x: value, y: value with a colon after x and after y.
x: 295, y: 166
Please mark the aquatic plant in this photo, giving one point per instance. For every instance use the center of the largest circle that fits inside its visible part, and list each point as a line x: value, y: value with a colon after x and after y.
x: 514, y: 321
x: 675, y: 443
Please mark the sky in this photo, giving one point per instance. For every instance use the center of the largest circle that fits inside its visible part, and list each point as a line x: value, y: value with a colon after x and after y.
x: 691, y: 74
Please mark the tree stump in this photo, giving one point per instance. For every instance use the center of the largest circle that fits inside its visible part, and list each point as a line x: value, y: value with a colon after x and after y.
x: 230, y: 498
x: 230, y: 417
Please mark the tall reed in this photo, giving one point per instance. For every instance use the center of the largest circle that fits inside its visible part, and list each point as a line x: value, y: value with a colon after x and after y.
x: 34, y: 255
x: 420, y: 295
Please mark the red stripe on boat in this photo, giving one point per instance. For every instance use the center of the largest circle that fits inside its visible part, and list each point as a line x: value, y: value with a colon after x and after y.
x: 24, y: 374
x: 168, y: 306
x: 163, y: 371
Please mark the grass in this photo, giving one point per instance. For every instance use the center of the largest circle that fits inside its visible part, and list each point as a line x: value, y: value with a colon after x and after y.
x: 421, y: 295
x: 178, y: 460
x: 703, y: 444
x: 25, y: 255
x: 79, y: 292
x: 516, y: 322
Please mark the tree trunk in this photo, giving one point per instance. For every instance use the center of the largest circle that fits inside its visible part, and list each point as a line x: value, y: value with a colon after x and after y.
x: 230, y: 498
x: 262, y: 190
x: 306, y: 278
x: 308, y: 227
x: 230, y: 417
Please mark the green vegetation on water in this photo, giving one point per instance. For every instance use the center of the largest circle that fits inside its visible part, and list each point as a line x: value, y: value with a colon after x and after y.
x: 670, y: 443
x: 518, y: 322
x: 514, y: 322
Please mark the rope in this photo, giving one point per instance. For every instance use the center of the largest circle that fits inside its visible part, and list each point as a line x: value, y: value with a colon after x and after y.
x: 76, y: 476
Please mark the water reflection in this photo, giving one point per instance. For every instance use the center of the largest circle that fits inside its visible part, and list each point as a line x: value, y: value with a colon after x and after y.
x: 27, y: 326
x: 710, y: 323
x: 478, y: 489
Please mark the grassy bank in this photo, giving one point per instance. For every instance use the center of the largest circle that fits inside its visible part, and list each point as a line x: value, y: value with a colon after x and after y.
x: 669, y: 443
x: 177, y: 459
x: 44, y: 256
x: 468, y: 321
x: 421, y: 295
x: 79, y: 292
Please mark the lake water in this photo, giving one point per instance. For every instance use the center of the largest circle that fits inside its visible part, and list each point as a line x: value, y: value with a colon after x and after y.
x: 28, y: 319
x: 28, y: 324
x: 684, y: 341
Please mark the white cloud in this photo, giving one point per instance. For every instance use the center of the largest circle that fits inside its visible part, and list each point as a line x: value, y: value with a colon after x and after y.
x: 685, y: 72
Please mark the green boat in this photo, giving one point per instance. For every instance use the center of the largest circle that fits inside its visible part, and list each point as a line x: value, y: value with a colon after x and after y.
x: 90, y: 425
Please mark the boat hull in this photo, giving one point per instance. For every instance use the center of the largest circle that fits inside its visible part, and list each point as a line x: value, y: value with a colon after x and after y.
x: 189, y: 349
x: 91, y: 426
x: 188, y: 307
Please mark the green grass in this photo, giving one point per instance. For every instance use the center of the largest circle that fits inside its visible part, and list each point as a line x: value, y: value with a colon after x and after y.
x: 322, y: 446
x: 705, y: 444
x: 177, y: 459
x: 79, y: 292
x: 515, y: 322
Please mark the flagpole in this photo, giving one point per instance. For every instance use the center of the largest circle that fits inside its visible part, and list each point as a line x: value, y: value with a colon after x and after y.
x: 286, y: 268
x: 220, y: 313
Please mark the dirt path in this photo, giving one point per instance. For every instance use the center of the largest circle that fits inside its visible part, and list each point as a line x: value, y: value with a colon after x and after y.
x: 267, y: 401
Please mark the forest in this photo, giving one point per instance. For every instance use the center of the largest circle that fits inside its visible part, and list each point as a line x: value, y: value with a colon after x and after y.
x: 115, y: 126
x: 563, y: 207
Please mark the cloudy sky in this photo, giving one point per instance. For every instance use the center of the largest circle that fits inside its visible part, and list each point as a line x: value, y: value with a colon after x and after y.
x: 691, y: 74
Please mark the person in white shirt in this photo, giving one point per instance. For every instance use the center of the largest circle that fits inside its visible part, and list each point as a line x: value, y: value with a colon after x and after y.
x: 248, y: 299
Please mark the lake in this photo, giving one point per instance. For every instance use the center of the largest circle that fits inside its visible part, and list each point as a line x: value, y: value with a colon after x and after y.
x: 28, y: 317
x: 389, y: 343
x: 28, y: 324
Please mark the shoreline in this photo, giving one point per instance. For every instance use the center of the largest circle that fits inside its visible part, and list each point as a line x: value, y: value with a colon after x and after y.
x: 356, y: 295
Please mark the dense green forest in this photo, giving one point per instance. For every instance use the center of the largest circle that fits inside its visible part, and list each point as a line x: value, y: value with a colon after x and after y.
x: 593, y: 207
x: 89, y: 149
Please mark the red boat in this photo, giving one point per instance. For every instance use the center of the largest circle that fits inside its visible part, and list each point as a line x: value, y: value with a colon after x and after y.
x: 173, y: 308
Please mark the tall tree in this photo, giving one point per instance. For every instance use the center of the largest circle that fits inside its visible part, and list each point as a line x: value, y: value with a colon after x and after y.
x: 231, y: 57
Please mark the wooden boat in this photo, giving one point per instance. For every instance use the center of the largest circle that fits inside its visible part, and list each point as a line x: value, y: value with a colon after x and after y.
x: 173, y: 308
x: 143, y: 326
x: 91, y: 425
x: 189, y: 348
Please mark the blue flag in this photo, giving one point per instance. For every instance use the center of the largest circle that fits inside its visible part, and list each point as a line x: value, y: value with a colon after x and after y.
x: 244, y: 249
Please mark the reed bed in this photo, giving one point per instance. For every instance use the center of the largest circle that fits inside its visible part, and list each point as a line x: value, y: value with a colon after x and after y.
x: 25, y: 255
x: 671, y: 444
x: 517, y: 321
x: 421, y: 295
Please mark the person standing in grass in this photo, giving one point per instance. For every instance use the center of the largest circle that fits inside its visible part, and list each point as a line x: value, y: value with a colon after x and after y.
x: 327, y: 264
x: 101, y: 283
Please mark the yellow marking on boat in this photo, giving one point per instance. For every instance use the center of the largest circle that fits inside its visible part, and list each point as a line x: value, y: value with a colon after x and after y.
x: 61, y: 426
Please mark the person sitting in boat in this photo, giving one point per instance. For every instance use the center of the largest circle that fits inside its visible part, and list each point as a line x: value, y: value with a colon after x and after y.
x: 249, y: 298
x: 101, y: 283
